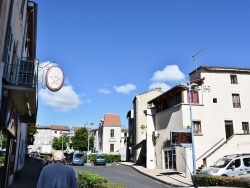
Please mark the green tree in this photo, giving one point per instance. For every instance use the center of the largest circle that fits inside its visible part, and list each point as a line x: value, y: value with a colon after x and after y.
x: 80, y: 140
x: 57, y: 142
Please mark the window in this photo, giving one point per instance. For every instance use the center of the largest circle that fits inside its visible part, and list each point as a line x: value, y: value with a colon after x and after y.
x: 55, y: 132
x: 112, y: 133
x: 125, y: 134
x: 171, y: 102
x: 178, y: 98
x: 245, y: 127
x: 194, y: 96
x: 236, y: 163
x: 197, y: 127
x: 214, y: 100
x: 236, y: 100
x: 112, y: 147
x: 246, y: 162
x: 233, y: 79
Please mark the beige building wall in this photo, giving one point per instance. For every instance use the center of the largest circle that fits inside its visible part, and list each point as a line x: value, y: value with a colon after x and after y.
x: 108, y: 140
x: 212, y: 143
x: 140, y: 104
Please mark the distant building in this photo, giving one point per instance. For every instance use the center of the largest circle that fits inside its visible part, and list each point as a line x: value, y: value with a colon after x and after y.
x: 137, y: 121
x: 110, y: 134
x: 44, y: 137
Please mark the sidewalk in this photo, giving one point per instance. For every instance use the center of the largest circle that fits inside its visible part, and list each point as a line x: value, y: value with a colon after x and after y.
x: 172, y: 178
x: 28, y: 175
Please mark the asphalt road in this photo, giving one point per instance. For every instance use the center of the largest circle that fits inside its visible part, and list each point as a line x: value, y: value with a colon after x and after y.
x: 122, y: 174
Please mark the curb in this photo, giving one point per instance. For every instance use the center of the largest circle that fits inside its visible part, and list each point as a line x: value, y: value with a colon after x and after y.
x: 159, y: 180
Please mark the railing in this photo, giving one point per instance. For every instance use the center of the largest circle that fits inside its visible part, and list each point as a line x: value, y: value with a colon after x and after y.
x: 210, y: 149
x: 23, y: 73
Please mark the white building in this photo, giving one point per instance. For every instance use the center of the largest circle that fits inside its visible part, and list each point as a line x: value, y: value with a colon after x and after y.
x: 44, y: 137
x: 220, y: 115
x: 137, y: 121
x: 110, y: 134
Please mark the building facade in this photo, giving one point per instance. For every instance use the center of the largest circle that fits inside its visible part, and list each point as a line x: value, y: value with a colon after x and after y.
x: 137, y: 121
x: 18, y: 85
x: 110, y: 134
x: 219, y: 112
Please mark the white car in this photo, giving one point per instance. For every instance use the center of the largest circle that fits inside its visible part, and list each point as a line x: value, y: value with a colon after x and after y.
x: 229, y: 165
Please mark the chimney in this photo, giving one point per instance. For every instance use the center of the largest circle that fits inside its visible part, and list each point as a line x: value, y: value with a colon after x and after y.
x: 158, y: 89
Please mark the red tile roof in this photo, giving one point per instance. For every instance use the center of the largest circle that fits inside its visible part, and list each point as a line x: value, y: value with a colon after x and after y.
x: 112, y: 120
x: 60, y: 128
x: 76, y: 128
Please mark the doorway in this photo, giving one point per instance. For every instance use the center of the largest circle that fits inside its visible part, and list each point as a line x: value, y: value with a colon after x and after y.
x: 229, y: 129
x: 170, y: 159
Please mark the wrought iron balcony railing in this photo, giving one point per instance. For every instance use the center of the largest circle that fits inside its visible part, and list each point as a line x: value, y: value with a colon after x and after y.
x: 23, y: 74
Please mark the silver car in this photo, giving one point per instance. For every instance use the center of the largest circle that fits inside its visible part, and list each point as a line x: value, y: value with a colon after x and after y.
x: 78, y: 159
x: 229, y: 165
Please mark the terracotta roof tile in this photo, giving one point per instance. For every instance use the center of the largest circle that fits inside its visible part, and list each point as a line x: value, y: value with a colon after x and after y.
x: 112, y: 120
x: 60, y: 127
x: 76, y: 128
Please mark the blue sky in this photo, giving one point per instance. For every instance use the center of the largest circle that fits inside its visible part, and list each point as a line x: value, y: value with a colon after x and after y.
x: 112, y: 50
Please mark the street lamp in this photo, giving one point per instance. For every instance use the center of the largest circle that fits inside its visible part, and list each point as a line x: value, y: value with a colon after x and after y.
x: 62, y: 142
x: 190, y: 87
x: 88, y: 123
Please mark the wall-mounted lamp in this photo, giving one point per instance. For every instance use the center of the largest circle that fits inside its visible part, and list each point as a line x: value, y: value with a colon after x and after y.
x: 156, y: 134
x: 28, y: 106
x: 146, y: 114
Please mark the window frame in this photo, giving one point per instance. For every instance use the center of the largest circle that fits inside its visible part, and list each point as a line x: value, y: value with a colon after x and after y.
x: 197, y: 123
x: 112, y: 133
x: 233, y: 79
x: 112, y: 148
x: 236, y: 100
x: 245, y: 127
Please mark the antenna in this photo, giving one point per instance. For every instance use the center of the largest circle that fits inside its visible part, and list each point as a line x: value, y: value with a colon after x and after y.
x: 194, y: 57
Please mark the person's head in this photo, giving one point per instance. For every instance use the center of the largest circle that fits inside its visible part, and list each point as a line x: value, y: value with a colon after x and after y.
x: 58, y: 155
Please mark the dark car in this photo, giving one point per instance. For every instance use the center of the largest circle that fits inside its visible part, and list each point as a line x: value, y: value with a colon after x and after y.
x: 100, y: 160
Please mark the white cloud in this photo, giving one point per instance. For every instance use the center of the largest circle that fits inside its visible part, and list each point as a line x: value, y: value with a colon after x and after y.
x: 169, y: 73
x: 164, y: 87
x: 60, y: 100
x: 104, y: 91
x: 125, y: 89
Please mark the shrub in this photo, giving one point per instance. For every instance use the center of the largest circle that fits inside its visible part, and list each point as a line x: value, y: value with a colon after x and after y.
x: 110, y: 158
x: 209, y: 180
x: 109, y: 185
x: 88, y: 179
x: 2, y: 159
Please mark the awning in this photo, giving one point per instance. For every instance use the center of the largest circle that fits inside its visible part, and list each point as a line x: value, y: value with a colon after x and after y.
x: 139, y: 145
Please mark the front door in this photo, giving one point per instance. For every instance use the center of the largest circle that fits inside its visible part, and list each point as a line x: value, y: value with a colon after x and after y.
x: 170, y: 159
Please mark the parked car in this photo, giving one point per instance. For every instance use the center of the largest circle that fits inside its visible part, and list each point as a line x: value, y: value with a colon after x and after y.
x: 34, y: 154
x: 100, y: 160
x: 78, y: 159
x: 229, y: 165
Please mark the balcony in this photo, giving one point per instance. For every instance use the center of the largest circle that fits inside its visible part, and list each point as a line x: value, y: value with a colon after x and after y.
x: 21, y: 79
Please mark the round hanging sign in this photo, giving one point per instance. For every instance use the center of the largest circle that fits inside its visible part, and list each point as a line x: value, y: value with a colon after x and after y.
x: 54, y: 78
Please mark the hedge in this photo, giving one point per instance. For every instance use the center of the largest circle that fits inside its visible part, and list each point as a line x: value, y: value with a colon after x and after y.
x: 110, y: 158
x: 210, y: 180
